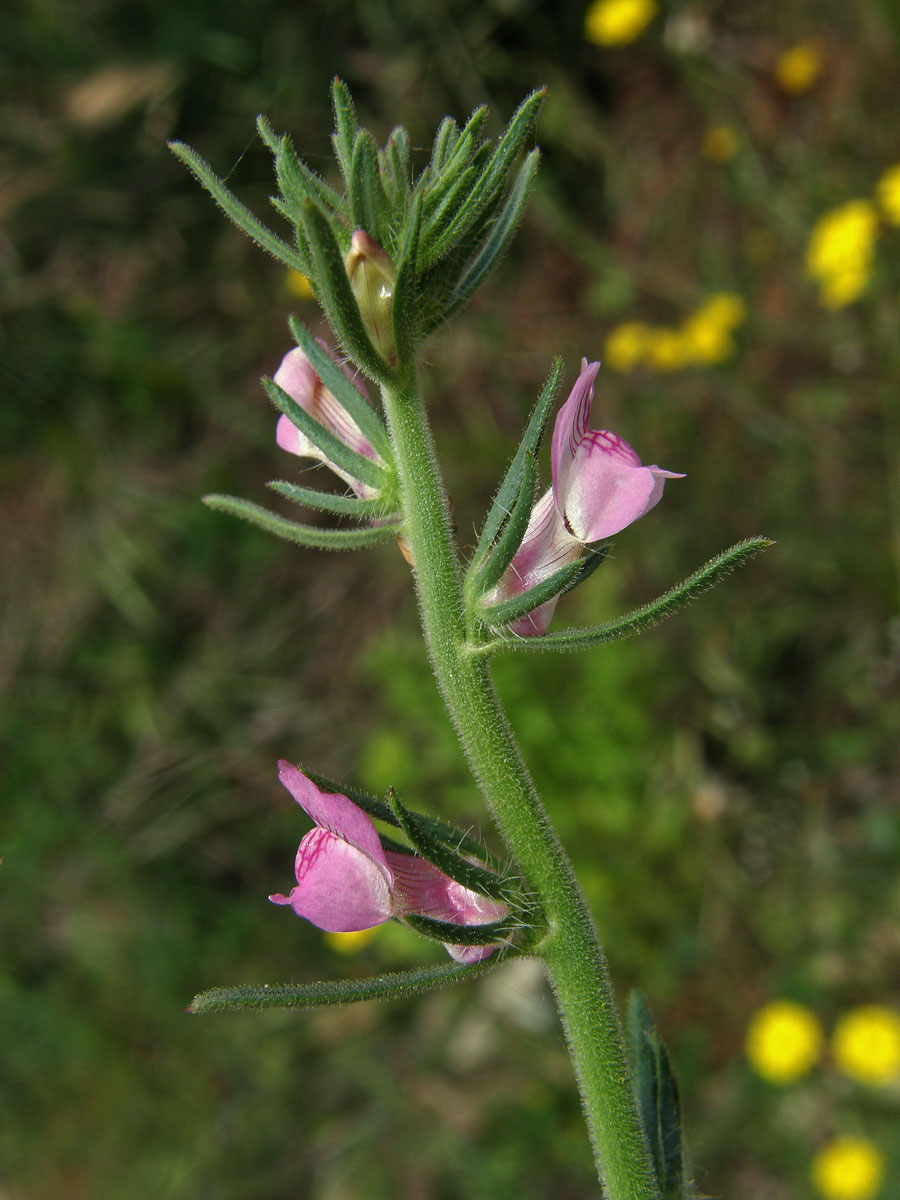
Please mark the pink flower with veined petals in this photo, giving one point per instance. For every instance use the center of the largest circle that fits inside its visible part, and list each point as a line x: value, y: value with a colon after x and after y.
x: 347, y: 881
x: 599, y: 487
x: 296, y: 376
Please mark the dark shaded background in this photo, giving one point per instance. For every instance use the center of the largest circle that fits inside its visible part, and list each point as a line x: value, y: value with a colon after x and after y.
x: 728, y: 784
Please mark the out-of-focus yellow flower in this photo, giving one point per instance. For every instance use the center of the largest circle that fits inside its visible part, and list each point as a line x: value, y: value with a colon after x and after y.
x: 666, y: 349
x: 626, y: 346
x: 887, y: 193
x: 839, y: 252
x: 783, y: 1041
x: 866, y: 1043
x: 298, y: 285
x: 350, y: 943
x: 707, y: 332
x: 798, y: 69
x: 720, y: 143
x: 618, y: 22
x: 849, y: 1168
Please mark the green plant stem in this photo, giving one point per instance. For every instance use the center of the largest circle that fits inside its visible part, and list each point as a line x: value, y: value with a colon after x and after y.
x: 571, y: 951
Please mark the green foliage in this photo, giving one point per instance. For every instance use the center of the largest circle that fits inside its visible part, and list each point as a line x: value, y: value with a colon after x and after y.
x: 658, y: 1099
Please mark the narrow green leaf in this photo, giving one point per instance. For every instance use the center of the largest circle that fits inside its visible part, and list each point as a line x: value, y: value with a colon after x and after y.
x: 235, y: 211
x: 658, y: 1099
x: 483, y: 579
x: 648, y: 615
x: 442, y: 205
x: 302, y: 535
x: 337, y: 297
x: 444, y: 144
x: 497, y: 615
x: 493, y: 177
x: 530, y: 444
x: 344, y: 136
x: 462, y: 935
x: 345, y: 391
x: 396, y: 985
x: 404, y: 310
x: 498, y: 241
x: 594, y: 556
x: 467, y: 142
x: 396, y: 160
x: 357, y: 466
x: 296, y: 179
x: 348, y: 506
x: 469, y: 874
x: 379, y: 810
x: 368, y: 203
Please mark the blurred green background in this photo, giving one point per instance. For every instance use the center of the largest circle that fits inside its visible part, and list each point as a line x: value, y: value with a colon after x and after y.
x: 728, y: 784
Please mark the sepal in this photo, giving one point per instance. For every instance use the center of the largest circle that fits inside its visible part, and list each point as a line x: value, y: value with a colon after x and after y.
x: 302, y: 535
x: 658, y: 1100
x: 479, y: 582
x: 393, y: 986
x: 450, y: 933
x: 344, y: 390
x: 335, y: 451
x: 446, y: 859
x: 507, y: 611
x: 512, y: 480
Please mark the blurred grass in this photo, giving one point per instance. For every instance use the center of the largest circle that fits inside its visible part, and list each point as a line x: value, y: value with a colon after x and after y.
x: 729, y: 784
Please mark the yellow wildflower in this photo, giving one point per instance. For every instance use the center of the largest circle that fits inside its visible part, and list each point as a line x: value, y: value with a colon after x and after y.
x: 783, y: 1041
x: 350, y: 943
x: 849, y: 1168
x: 887, y: 193
x: 667, y: 349
x: 720, y: 143
x: 626, y: 346
x: 798, y: 69
x: 618, y: 22
x: 707, y: 332
x: 839, y: 252
x: 298, y: 285
x: 866, y: 1043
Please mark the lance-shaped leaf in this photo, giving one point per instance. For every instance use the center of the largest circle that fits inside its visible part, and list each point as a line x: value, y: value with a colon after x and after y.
x: 484, y: 578
x: 486, y: 190
x: 394, y: 986
x: 395, y: 164
x: 512, y: 480
x: 442, y: 201
x: 469, y: 874
x: 302, y: 535
x: 344, y: 390
x: 648, y: 615
x: 368, y: 203
x: 333, y: 502
x: 449, y: 932
x: 345, y: 126
x: 467, y: 143
x: 236, y: 211
x: 337, y: 296
x: 658, y: 1100
x: 444, y: 144
x: 404, y: 311
x: 497, y: 243
x: 297, y: 181
x: 525, y: 602
x: 350, y: 461
x: 380, y: 810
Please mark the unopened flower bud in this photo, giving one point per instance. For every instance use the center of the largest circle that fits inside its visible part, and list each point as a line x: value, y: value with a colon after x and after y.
x: 373, y: 278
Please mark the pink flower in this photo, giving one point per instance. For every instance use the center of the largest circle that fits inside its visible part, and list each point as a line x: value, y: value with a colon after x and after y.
x: 347, y: 881
x: 297, y: 377
x: 599, y: 487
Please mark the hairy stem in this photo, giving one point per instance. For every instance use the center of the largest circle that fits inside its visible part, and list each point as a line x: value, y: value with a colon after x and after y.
x: 571, y: 952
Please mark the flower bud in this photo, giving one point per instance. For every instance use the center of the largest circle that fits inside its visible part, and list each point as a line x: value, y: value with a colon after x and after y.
x: 373, y: 278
